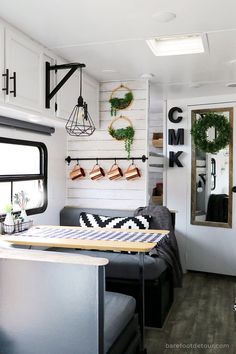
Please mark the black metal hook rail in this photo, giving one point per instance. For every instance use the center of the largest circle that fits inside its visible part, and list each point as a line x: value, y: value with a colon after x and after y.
x: 69, y: 159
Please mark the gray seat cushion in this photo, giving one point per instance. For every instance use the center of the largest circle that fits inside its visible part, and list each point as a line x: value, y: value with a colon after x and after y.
x: 125, y: 266
x: 119, y: 310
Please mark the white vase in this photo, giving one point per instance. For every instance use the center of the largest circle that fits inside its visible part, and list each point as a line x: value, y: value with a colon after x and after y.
x: 24, y: 216
x: 9, y: 224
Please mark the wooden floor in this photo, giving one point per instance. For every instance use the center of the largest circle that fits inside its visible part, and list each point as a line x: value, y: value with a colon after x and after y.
x: 202, y: 315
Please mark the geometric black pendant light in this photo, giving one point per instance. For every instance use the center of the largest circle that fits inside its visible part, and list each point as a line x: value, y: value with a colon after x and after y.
x: 79, y: 122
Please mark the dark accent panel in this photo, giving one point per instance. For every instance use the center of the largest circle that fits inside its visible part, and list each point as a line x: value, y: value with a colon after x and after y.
x: 159, y: 296
x: 171, y: 113
x: 174, y: 158
x: 176, y: 137
x: 22, y: 125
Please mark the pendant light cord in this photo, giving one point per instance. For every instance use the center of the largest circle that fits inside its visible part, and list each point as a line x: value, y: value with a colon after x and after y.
x: 80, y: 82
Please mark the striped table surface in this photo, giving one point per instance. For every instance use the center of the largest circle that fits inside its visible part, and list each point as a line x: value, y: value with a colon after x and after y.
x: 90, y: 234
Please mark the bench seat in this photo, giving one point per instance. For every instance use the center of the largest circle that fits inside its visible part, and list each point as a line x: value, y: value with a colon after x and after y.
x: 122, y: 271
x: 119, y: 311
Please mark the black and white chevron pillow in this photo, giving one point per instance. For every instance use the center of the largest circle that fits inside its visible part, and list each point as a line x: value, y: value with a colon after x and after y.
x: 134, y: 222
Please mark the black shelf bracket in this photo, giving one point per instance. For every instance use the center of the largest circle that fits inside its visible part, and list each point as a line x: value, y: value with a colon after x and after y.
x: 69, y: 159
x: 49, y: 95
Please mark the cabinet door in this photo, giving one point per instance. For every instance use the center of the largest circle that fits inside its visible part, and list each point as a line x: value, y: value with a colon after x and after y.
x: 23, y: 58
x: 2, y: 69
x: 68, y: 94
x: 91, y: 96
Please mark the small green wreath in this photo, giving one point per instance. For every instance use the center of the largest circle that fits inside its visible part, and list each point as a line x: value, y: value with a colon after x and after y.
x: 222, y: 132
x: 126, y: 134
x: 120, y: 103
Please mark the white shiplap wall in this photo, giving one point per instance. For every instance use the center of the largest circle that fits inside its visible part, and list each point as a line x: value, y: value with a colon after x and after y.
x: 119, y: 194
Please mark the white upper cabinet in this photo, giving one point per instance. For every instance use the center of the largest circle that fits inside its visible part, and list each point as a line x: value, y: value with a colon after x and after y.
x: 23, y: 59
x: 91, y: 96
x: 3, y: 73
x: 23, y: 73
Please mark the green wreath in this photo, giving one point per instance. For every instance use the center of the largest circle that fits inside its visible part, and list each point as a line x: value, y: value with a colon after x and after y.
x: 126, y: 134
x: 120, y: 103
x: 222, y: 129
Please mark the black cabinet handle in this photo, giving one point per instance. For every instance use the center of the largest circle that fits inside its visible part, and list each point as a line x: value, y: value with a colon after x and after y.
x: 14, y: 84
x: 6, y: 88
x: 234, y: 189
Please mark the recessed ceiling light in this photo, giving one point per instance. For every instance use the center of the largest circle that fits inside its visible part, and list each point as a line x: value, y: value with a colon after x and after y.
x: 176, y: 45
x: 164, y: 16
x: 231, y: 84
x: 147, y: 76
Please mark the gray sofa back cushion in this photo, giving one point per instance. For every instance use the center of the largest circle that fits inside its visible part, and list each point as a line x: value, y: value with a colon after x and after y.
x: 69, y: 216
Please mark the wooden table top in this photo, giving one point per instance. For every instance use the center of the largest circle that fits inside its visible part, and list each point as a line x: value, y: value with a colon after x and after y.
x: 100, y: 245
x: 52, y: 257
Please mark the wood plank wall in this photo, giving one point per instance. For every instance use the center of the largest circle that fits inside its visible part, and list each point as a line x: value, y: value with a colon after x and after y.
x: 119, y: 194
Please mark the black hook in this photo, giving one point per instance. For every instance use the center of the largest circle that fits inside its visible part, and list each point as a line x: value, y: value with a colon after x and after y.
x: 97, y: 161
x: 115, y: 160
x: 144, y: 158
x: 132, y: 161
x: 68, y: 160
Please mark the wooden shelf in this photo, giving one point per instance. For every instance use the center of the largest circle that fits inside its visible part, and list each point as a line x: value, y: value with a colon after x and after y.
x: 158, y: 143
x: 157, y: 140
x: 157, y: 199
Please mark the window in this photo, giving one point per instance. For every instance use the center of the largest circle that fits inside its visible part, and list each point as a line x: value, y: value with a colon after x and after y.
x: 23, y: 167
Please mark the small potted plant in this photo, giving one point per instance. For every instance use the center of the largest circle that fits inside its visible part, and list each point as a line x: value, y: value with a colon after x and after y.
x: 8, y: 222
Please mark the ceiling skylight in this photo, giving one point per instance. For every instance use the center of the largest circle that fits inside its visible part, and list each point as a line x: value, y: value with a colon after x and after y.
x: 176, y: 45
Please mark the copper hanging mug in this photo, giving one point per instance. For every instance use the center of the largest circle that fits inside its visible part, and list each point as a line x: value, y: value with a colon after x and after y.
x: 132, y: 172
x: 77, y: 172
x: 115, y: 172
x: 97, y: 172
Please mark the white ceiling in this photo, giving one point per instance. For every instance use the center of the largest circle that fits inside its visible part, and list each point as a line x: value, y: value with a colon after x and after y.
x: 107, y: 34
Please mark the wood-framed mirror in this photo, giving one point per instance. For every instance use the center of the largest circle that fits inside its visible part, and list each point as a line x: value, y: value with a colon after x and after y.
x: 212, y: 178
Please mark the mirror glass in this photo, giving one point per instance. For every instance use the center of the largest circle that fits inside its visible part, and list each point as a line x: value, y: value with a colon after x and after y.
x: 211, y: 190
